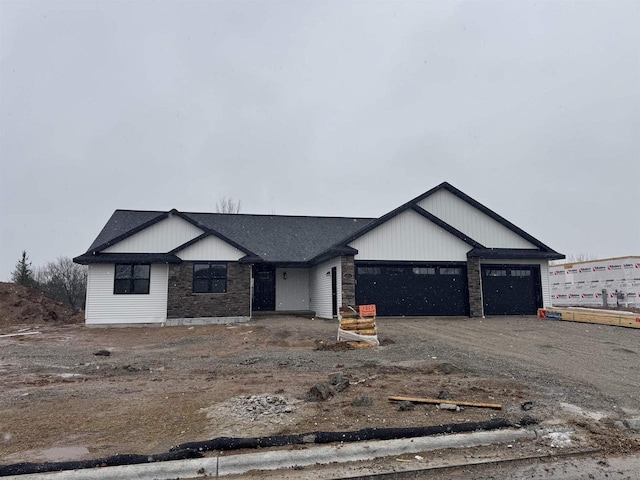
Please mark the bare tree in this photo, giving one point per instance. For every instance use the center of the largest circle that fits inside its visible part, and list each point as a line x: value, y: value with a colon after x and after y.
x: 228, y: 205
x: 575, y: 258
x: 64, y: 281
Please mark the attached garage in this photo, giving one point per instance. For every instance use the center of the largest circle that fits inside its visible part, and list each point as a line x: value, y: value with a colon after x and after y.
x: 511, y: 289
x: 416, y: 289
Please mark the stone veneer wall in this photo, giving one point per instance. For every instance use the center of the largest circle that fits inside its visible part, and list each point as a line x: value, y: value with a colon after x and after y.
x: 183, y: 303
x: 348, y: 269
x: 475, y: 287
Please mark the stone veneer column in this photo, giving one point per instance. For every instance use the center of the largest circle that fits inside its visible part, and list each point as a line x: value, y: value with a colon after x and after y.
x: 348, y: 268
x: 183, y: 303
x: 475, y: 287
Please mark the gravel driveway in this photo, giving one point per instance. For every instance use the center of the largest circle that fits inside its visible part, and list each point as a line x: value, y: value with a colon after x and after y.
x: 162, y: 386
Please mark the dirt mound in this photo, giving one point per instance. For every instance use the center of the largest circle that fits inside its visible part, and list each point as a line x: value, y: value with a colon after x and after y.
x: 21, y: 305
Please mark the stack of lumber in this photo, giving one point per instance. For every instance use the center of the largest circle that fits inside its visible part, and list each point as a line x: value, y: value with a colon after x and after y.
x: 358, y: 326
x: 591, y: 315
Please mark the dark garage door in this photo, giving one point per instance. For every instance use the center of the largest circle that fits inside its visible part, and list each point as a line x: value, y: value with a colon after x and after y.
x: 511, y: 289
x: 415, y: 289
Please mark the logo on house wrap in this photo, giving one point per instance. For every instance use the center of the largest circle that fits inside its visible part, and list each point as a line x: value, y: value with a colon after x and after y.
x: 637, y: 265
x: 561, y: 297
x: 632, y: 295
x: 587, y: 295
x: 614, y: 267
x: 598, y: 295
x: 628, y: 265
x: 558, y: 272
x: 571, y: 271
x: 599, y: 269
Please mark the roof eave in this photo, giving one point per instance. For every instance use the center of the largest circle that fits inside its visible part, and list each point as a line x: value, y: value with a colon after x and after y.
x: 514, y: 253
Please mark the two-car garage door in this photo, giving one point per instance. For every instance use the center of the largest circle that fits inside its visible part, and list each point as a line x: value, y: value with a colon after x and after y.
x: 413, y: 289
x: 419, y: 289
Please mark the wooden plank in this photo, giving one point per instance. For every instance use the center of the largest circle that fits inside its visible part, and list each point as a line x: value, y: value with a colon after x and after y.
x: 363, y: 331
x: 495, y: 406
x: 357, y: 321
x: 18, y: 334
x: 590, y: 316
x: 358, y: 326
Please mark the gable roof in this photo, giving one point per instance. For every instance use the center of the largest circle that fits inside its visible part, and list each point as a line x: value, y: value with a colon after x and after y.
x: 478, y: 250
x: 302, y: 239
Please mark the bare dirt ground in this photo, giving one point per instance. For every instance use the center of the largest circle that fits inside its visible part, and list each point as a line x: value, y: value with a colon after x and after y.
x: 163, y: 386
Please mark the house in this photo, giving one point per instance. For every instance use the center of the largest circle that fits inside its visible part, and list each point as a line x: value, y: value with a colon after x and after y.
x: 441, y: 253
x: 596, y: 283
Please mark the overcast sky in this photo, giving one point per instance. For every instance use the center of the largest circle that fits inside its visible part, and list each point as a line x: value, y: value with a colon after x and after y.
x: 318, y: 108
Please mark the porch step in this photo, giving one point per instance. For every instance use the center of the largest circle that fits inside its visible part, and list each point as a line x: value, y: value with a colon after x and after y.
x: 297, y: 313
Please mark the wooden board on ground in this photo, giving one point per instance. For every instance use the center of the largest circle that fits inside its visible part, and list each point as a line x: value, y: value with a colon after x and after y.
x: 589, y: 315
x: 437, y: 401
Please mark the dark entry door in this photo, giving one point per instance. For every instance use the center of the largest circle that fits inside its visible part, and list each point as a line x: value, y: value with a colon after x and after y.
x: 415, y: 289
x: 264, y: 287
x: 334, y: 291
x: 511, y: 289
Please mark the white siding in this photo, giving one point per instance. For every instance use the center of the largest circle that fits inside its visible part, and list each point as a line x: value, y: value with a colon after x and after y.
x: 472, y: 222
x: 410, y: 236
x: 211, y: 248
x: 103, y: 307
x: 292, y: 293
x: 320, y: 287
x: 160, y: 237
x: 544, y: 274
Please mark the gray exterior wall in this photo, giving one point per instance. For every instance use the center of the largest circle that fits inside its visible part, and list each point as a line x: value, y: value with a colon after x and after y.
x: 183, y: 303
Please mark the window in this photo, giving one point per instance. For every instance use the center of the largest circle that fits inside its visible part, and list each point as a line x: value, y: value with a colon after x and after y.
x: 209, y: 277
x: 496, y: 273
x: 450, y: 271
x: 369, y: 270
x: 520, y: 273
x: 394, y: 270
x: 131, y: 279
x: 424, y: 271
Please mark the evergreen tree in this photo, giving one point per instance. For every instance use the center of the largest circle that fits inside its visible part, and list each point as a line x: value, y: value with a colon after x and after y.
x: 23, y: 275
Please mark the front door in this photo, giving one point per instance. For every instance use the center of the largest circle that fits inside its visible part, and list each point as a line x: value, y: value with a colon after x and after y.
x: 264, y: 288
x: 334, y: 291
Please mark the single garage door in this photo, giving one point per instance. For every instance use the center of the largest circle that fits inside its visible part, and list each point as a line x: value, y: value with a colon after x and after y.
x: 511, y: 289
x: 416, y: 289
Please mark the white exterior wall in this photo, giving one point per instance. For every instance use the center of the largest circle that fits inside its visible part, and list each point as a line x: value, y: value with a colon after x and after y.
x: 581, y: 283
x: 320, y: 287
x: 211, y: 248
x: 161, y: 237
x: 292, y: 293
x: 410, y: 236
x: 544, y: 274
x: 103, y: 307
x: 471, y: 221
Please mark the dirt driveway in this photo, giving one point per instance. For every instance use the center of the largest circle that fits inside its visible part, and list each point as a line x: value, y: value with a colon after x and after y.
x: 163, y: 386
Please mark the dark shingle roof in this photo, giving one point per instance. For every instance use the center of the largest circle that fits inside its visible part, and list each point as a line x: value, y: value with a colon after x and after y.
x: 297, y: 239
x: 278, y: 238
x: 274, y: 238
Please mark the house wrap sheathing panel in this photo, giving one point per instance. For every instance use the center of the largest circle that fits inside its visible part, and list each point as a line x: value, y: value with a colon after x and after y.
x: 581, y: 283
